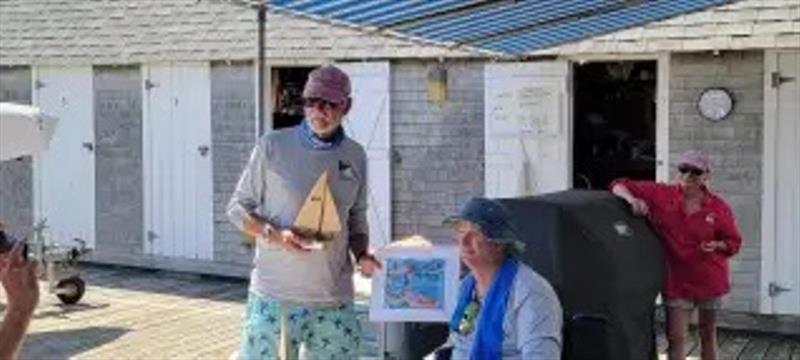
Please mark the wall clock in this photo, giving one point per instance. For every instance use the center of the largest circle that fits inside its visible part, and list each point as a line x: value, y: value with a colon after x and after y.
x: 715, y: 103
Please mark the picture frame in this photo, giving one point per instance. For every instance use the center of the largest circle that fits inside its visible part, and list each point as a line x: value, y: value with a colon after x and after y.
x: 416, y: 284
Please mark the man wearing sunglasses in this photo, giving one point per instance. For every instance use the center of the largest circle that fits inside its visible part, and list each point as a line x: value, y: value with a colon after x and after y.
x: 300, y: 296
x: 505, y: 310
x: 699, y: 235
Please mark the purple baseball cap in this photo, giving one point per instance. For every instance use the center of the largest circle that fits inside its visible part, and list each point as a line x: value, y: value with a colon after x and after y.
x: 695, y: 158
x: 329, y: 83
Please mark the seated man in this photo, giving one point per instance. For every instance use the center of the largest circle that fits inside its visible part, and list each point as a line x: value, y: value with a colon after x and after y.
x: 18, y: 278
x: 504, y: 309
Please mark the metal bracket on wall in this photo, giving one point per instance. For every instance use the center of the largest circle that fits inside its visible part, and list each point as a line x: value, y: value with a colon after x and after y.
x: 396, y: 157
x: 775, y: 289
x: 151, y: 236
x: 778, y: 80
x: 149, y: 84
x: 38, y: 84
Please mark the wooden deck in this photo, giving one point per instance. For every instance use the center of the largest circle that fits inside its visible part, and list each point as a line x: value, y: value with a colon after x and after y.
x: 738, y: 345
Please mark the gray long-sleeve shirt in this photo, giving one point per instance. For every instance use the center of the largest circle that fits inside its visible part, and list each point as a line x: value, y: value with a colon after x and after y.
x: 281, y: 172
x: 532, y: 324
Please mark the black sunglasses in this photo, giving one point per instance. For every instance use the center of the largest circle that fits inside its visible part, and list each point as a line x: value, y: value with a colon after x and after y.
x: 691, y: 170
x: 321, y: 103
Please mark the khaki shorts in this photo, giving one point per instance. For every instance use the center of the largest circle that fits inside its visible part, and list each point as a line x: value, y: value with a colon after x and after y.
x: 689, y: 304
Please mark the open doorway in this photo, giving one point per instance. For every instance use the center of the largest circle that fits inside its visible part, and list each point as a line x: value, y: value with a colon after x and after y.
x: 287, y: 90
x: 615, y: 122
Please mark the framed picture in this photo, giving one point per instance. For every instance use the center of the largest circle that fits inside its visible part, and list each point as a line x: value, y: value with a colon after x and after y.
x: 417, y: 283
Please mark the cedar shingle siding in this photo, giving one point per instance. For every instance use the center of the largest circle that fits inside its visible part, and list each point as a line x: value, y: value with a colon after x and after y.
x: 137, y: 31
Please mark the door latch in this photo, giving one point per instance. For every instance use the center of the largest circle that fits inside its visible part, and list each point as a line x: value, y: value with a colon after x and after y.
x: 777, y: 79
x: 88, y: 146
x: 151, y: 236
x: 774, y: 289
x: 148, y: 84
x: 203, y: 149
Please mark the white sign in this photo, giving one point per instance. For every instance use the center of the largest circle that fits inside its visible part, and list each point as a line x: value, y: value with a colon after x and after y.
x: 415, y: 284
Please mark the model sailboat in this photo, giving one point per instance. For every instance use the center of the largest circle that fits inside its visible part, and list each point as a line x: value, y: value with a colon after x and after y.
x: 318, y: 218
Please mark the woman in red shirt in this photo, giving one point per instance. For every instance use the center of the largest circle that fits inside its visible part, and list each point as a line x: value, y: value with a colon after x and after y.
x: 699, y: 234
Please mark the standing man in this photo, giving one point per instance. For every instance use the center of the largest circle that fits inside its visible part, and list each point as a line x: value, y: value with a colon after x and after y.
x: 309, y: 292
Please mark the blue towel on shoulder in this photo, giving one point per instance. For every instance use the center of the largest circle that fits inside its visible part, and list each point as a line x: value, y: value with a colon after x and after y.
x: 489, y: 333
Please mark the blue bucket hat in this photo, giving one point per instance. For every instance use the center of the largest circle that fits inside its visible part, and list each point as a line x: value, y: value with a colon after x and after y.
x: 490, y: 216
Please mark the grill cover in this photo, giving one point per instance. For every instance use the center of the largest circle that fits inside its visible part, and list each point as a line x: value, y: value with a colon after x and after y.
x: 605, y: 264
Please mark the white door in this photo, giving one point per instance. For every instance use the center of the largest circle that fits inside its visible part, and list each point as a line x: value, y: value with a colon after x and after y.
x: 781, y: 213
x: 178, y: 196
x: 368, y: 124
x: 64, y: 174
x: 527, y: 129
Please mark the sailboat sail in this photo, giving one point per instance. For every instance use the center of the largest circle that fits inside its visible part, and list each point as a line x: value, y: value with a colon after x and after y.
x: 318, y: 218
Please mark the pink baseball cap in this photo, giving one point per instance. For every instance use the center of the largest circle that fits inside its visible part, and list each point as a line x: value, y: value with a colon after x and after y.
x: 695, y: 158
x: 329, y: 83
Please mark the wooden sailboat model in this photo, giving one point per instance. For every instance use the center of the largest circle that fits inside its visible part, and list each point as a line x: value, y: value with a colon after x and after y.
x: 318, y: 218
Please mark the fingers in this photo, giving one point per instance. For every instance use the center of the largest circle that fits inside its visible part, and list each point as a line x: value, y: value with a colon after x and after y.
x: 289, y: 241
x: 369, y: 264
x: 17, y: 257
x: 14, y: 259
x: 31, y: 272
x: 640, y: 207
x: 292, y: 242
x: 708, y: 246
x: 375, y: 262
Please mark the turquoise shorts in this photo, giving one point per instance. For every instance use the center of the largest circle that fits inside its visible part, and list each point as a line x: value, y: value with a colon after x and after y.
x: 332, y: 332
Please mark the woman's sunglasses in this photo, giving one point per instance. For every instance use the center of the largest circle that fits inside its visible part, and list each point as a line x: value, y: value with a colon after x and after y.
x: 320, y: 103
x: 691, y: 170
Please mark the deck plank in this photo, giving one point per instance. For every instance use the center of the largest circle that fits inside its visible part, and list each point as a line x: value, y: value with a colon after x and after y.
x: 734, y: 345
x: 661, y: 342
x: 722, y: 338
x: 756, y: 348
x: 781, y: 349
x: 692, y: 341
x: 796, y: 350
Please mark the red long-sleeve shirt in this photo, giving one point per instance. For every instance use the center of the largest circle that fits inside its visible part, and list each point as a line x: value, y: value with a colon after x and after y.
x: 690, y: 272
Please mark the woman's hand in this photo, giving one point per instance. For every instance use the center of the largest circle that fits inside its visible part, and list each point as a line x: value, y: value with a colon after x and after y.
x: 639, y: 206
x: 712, y: 246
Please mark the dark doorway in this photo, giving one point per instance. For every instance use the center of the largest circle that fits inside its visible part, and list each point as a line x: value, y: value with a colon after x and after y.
x: 615, y: 122
x: 287, y: 90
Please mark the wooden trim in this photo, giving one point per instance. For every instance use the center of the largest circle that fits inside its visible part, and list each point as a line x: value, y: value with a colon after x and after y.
x: 766, y: 304
x: 662, y: 117
x: 600, y: 57
x: 146, y: 158
x: 568, y: 105
x: 662, y: 105
x: 267, y: 100
x: 36, y: 161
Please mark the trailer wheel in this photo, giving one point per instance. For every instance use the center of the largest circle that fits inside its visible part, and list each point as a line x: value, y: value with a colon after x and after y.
x: 71, y: 290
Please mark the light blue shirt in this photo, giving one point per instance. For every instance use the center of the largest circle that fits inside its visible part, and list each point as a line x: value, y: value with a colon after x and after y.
x: 532, y: 324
